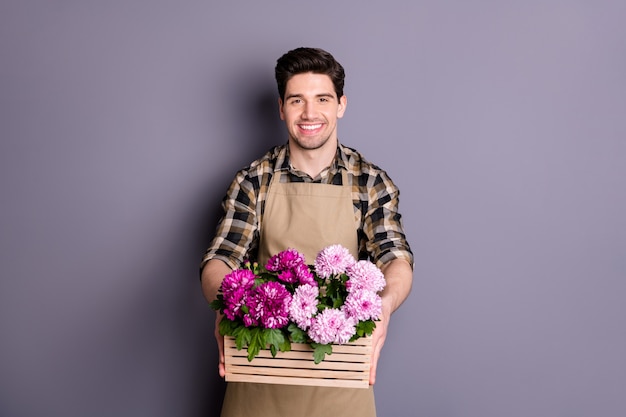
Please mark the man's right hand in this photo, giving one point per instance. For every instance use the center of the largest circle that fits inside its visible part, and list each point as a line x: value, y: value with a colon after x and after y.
x: 220, y: 345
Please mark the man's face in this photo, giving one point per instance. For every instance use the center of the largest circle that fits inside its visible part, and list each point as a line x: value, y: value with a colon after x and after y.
x: 310, y: 111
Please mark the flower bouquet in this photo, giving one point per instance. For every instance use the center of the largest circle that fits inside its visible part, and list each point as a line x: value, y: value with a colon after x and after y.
x: 287, y: 302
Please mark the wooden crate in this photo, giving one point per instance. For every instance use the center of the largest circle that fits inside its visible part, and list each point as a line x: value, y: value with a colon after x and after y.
x: 348, y: 366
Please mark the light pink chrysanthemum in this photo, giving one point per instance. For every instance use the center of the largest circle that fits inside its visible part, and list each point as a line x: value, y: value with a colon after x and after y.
x: 346, y: 331
x: 363, y: 305
x: 366, y: 276
x: 304, y: 305
x: 333, y: 260
x: 331, y: 326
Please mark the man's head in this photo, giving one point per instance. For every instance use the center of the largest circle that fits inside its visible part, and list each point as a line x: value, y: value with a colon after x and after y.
x: 303, y: 60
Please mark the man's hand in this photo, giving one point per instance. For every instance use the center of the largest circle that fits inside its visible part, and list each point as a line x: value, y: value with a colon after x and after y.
x: 399, y: 276
x: 212, y: 275
x: 378, y: 340
x: 220, y: 345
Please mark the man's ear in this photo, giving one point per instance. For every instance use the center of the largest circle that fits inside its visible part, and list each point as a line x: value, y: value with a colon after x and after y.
x: 280, y: 109
x: 341, y: 109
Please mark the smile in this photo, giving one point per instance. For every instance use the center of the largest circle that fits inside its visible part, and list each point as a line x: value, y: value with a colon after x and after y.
x: 311, y: 127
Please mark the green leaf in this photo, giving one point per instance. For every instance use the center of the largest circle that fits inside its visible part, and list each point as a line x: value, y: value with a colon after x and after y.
x: 320, y: 351
x: 257, y: 342
x: 218, y: 304
x: 286, y: 345
x: 227, y: 327
x: 275, y: 339
x: 243, y: 337
x: 364, y: 328
x: 297, y: 334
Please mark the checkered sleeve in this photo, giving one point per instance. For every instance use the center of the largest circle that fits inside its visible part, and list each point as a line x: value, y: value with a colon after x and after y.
x: 235, y: 231
x: 385, y: 237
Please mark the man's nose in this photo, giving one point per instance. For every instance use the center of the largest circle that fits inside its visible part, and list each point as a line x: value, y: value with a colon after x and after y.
x: 308, y: 112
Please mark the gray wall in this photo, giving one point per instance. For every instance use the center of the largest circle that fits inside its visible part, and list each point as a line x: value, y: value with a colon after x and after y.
x: 122, y: 123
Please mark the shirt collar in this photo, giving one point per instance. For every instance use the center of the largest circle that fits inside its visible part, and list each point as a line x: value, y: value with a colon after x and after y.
x: 283, y: 163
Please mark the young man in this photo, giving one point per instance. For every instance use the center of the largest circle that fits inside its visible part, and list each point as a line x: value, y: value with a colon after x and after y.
x: 307, y: 194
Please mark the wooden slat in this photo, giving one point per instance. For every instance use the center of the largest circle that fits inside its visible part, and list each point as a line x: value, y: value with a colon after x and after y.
x: 272, y: 371
x: 348, y: 366
x: 304, y: 356
x: 298, y: 364
x: 264, y: 379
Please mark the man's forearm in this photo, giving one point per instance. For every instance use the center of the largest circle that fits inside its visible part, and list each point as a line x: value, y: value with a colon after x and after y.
x: 212, y: 275
x: 399, y: 276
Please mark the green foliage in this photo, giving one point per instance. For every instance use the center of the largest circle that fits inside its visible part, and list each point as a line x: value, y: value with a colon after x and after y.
x: 320, y: 351
x: 255, y: 339
x: 335, y: 292
x: 218, y: 303
x: 364, y: 328
x: 296, y: 334
x: 275, y: 339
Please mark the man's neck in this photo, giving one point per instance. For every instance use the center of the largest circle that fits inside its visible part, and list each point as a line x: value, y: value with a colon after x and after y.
x: 312, y: 161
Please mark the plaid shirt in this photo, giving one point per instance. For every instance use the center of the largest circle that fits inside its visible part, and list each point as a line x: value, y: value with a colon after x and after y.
x: 378, y: 223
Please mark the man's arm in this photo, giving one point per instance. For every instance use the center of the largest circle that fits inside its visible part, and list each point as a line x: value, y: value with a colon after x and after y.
x: 399, y: 276
x: 212, y: 275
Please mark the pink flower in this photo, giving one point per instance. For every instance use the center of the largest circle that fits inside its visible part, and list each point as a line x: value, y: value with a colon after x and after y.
x: 331, y: 326
x: 304, y: 305
x: 363, y: 305
x: 365, y: 275
x: 333, y: 260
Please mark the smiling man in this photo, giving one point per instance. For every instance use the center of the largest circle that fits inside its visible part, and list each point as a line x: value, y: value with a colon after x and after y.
x: 310, y: 110
x: 307, y: 194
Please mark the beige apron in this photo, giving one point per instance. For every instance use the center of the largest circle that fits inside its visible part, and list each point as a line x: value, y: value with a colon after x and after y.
x: 306, y: 217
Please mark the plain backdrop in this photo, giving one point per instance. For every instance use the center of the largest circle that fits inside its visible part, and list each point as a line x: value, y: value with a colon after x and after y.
x: 502, y: 122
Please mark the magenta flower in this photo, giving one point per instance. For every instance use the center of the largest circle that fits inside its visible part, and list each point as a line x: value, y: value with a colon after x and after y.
x: 366, y: 276
x: 287, y: 259
x: 269, y: 305
x: 333, y: 260
x: 236, y: 288
x: 304, y: 305
x: 239, y: 278
x: 288, y: 276
x: 304, y: 275
x: 234, y: 302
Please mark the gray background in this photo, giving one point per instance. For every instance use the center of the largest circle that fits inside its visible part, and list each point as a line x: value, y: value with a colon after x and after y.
x: 503, y: 123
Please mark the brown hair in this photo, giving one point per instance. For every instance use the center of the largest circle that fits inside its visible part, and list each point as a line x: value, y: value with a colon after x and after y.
x: 303, y: 60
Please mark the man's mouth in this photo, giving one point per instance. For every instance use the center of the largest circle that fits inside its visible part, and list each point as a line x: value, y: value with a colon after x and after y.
x: 311, y: 127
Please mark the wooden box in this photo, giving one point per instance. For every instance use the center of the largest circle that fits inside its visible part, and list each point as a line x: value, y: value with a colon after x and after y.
x: 348, y: 366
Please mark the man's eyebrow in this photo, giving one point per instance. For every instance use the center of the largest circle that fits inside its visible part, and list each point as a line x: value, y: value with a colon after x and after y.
x: 331, y: 95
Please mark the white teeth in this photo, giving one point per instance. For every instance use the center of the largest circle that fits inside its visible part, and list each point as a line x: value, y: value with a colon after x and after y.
x: 310, y: 127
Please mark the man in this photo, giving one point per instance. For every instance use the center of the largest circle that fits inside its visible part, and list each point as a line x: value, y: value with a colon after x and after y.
x: 308, y: 194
